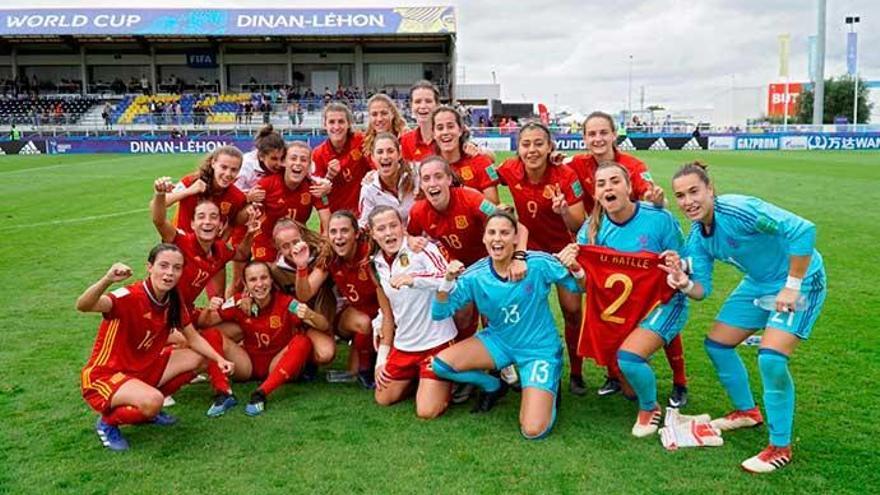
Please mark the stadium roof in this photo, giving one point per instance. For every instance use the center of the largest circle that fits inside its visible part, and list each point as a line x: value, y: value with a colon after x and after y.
x: 406, y: 21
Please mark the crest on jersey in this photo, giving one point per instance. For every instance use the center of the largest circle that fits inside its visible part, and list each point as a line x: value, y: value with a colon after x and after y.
x: 225, y: 206
x: 274, y: 322
x: 404, y: 260
x: 305, y: 198
x: 259, y: 252
x: 467, y: 173
x: 117, y: 377
x: 362, y: 274
x: 355, y: 154
x: 461, y: 222
x: 548, y: 191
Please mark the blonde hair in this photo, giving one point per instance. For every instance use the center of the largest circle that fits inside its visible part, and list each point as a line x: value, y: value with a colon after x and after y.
x: 398, y: 125
x: 598, y: 210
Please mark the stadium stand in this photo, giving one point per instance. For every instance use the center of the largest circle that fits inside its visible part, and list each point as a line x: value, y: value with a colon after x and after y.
x: 39, y: 111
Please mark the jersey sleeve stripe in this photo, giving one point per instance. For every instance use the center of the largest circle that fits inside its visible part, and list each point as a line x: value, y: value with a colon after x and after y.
x: 435, y: 260
x: 746, y: 217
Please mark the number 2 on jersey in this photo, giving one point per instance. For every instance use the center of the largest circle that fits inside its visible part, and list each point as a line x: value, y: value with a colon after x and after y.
x: 611, y: 281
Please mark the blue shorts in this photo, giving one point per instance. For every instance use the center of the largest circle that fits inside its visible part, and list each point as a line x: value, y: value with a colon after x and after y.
x: 667, y: 320
x: 538, y: 368
x: 739, y: 310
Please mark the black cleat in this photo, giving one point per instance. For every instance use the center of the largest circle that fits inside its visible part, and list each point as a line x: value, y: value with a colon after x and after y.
x: 309, y: 372
x: 487, y: 400
x: 462, y: 392
x: 576, y: 385
x: 679, y: 396
x: 366, y: 379
x: 610, y: 387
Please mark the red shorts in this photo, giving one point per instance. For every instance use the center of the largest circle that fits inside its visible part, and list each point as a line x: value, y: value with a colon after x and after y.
x: 100, y: 385
x: 404, y: 365
x: 260, y: 362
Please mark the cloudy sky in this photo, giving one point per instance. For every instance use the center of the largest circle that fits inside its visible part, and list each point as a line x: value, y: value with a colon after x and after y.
x: 576, y: 52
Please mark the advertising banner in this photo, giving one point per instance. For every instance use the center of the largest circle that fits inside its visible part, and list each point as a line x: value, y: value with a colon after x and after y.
x: 776, y: 99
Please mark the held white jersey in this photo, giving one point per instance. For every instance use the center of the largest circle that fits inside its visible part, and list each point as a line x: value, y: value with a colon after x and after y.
x: 251, y: 172
x: 373, y: 195
x: 411, y: 306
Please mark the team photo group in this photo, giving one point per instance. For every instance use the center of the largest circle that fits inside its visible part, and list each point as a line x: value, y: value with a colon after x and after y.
x: 397, y: 243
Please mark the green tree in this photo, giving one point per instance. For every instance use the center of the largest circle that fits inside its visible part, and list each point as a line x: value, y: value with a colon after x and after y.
x: 838, y: 101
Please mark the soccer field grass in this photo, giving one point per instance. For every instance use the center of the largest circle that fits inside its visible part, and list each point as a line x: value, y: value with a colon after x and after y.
x: 65, y: 220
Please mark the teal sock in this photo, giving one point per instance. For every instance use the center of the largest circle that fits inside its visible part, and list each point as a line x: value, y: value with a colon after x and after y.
x: 731, y: 373
x: 481, y: 379
x: 640, y: 375
x: 778, y: 395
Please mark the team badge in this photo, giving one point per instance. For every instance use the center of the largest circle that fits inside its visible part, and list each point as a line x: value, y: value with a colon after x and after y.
x: 259, y: 252
x: 467, y: 173
x: 274, y: 322
x: 225, y: 206
x: 362, y: 274
x: 355, y: 154
x: 548, y: 191
x: 461, y: 222
x: 116, y: 378
x: 305, y: 198
x: 404, y: 260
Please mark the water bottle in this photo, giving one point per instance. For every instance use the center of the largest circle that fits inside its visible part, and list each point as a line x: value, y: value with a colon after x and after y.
x: 768, y: 303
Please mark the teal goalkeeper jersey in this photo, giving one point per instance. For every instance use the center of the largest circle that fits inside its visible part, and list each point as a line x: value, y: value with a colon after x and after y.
x: 650, y: 229
x: 754, y: 236
x: 518, y: 312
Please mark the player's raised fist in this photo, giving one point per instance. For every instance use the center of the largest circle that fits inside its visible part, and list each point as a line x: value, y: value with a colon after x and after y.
x: 118, y: 272
x: 163, y: 185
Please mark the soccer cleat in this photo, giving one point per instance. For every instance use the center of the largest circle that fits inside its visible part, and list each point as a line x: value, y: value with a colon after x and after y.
x: 110, y: 436
x: 679, y: 396
x: 309, y: 372
x: 509, y: 375
x: 768, y: 460
x: 576, y: 385
x: 610, y: 387
x: 739, y: 419
x: 256, y: 405
x: 164, y: 419
x: 200, y: 378
x: 487, y: 400
x: 169, y: 401
x: 366, y: 379
x: 222, y: 403
x: 647, y: 423
x: 461, y: 392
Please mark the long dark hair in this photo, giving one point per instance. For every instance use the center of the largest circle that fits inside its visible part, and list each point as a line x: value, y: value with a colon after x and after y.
x: 267, y: 141
x: 459, y: 120
x: 206, y: 167
x: 172, y: 318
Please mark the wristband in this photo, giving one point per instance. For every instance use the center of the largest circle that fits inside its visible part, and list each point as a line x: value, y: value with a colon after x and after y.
x: 579, y: 274
x: 446, y: 285
x: 382, y: 354
x: 793, y: 283
x: 688, y: 288
x: 302, y: 272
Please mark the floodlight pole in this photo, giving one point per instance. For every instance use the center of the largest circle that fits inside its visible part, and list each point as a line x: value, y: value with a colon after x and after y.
x: 819, y: 84
x: 629, y: 101
x: 853, y: 22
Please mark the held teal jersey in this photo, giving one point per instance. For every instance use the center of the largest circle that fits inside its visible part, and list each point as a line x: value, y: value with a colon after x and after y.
x: 754, y: 236
x: 650, y: 229
x: 518, y: 312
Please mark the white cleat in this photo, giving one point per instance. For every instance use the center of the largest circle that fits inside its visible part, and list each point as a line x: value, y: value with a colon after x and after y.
x: 768, y: 460
x: 647, y: 423
x: 739, y: 419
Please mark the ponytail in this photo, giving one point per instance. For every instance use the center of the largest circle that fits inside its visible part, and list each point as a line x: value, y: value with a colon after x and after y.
x: 205, y: 171
x: 268, y: 140
x: 173, y: 316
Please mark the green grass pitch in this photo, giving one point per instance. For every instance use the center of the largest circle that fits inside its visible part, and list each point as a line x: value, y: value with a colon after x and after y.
x: 64, y: 220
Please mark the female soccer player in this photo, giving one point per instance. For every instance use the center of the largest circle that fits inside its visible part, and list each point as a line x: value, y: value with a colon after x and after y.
x: 130, y: 370
x: 340, y: 160
x: 548, y: 202
x: 521, y: 329
x: 451, y: 136
x: 393, y: 185
x: 775, y: 249
x: 350, y: 270
x: 266, y: 159
x: 418, y: 143
x: 275, y: 347
x: 287, y: 196
x: 407, y: 283
x: 630, y: 226
x: 384, y: 116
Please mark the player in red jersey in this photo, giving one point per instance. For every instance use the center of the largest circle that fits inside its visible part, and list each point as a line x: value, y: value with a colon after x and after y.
x: 451, y: 138
x: 351, y: 271
x: 548, y: 201
x: 274, y: 347
x: 418, y: 144
x: 130, y: 370
x: 600, y: 136
x: 287, y: 196
x: 383, y: 116
x: 340, y: 160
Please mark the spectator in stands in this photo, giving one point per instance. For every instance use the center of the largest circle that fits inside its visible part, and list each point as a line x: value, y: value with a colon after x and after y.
x: 14, y: 134
x: 266, y: 109
x: 105, y: 114
x: 59, y: 112
x: 248, y: 111
x: 145, y: 85
x: 293, y: 112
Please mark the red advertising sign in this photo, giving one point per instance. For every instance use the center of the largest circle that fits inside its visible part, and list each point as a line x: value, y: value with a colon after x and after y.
x: 776, y: 99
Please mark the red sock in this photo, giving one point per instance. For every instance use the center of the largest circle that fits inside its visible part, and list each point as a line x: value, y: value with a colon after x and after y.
x: 675, y: 356
x: 175, y: 383
x: 219, y: 380
x: 572, y: 335
x: 290, y: 365
x: 125, y: 415
x: 362, y: 344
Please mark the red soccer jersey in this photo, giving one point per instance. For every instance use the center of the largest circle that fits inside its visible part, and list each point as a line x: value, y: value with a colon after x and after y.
x: 199, y: 266
x: 353, y: 165
x: 534, y: 203
x: 476, y: 171
x: 585, y: 165
x: 622, y: 288
x: 230, y: 201
x: 132, y: 334
x: 460, y: 228
x: 270, y: 330
x: 413, y: 148
x: 282, y: 202
x: 353, y: 280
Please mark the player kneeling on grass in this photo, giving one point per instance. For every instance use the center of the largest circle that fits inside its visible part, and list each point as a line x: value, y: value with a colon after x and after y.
x: 521, y: 329
x: 131, y: 370
x: 783, y: 293
x: 274, y: 347
x: 407, y: 282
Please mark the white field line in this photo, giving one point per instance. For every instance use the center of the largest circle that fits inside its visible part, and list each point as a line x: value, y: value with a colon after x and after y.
x: 60, y: 165
x: 67, y: 221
